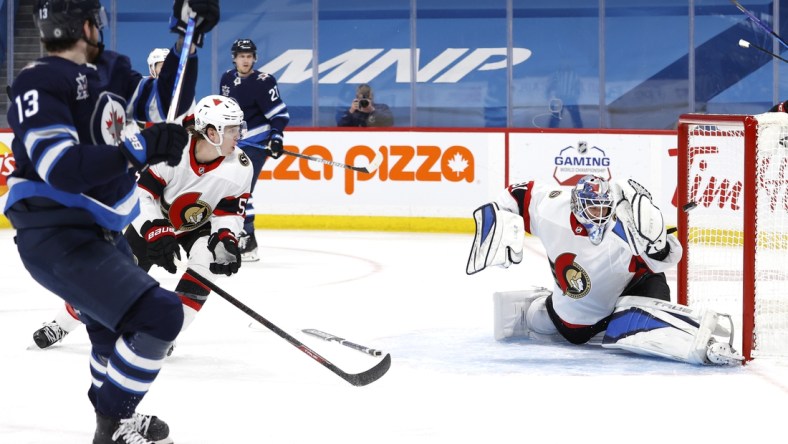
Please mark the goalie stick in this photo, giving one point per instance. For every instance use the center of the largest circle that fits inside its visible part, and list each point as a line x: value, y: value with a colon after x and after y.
x: 329, y: 337
x: 371, y: 168
x: 357, y: 379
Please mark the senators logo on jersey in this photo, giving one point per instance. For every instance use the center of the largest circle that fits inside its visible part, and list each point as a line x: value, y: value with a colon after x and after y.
x: 570, y: 276
x: 188, y: 212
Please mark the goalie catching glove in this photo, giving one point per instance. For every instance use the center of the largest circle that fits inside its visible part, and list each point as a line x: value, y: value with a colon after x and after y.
x: 499, y: 238
x: 226, y: 255
x: 643, y: 220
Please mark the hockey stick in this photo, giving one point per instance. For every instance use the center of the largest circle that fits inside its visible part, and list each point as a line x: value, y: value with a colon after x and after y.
x: 176, y: 90
x: 371, y: 168
x: 358, y: 379
x: 758, y: 22
x: 329, y: 337
x: 745, y: 44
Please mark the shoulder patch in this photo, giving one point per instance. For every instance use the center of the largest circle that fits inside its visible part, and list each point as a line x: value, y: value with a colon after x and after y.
x: 243, y: 159
x: 554, y: 194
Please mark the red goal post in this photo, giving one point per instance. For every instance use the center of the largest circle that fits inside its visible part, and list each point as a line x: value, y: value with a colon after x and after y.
x: 732, y: 195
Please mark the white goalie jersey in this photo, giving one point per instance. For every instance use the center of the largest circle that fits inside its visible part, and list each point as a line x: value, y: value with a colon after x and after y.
x: 191, y: 194
x: 588, y: 279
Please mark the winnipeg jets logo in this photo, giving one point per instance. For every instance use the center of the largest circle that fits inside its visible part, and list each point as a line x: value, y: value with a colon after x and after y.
x: 225, y: 90
x: 82, y: 87
x: 262, y: 76
x: 109, y: 119
x: 237, y: 81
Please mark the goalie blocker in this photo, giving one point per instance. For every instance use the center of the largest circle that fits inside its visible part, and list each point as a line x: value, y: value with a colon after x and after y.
x: 499, y: 238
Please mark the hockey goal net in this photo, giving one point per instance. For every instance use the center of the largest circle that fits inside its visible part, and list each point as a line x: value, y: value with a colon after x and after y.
x: 732, y: 195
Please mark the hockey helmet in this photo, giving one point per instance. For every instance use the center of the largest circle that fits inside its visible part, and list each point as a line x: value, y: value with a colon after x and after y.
x: 218, y: 112
x: 244, y: 45
x: 156, y: 56
x: 592, y: 205
x: 63, y: 19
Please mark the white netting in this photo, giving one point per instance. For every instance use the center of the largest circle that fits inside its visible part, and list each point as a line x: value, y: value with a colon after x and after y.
x: 715, y: 227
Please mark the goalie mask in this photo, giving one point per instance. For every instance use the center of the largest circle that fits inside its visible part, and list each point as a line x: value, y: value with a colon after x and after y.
x: 218, y: 112
x: 592, y: 205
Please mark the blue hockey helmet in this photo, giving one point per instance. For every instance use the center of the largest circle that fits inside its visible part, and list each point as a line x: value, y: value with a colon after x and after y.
x: 592, y: 205
x: 63, y: 19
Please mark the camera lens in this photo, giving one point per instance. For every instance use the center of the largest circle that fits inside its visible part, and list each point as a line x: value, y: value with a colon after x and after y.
x: 363, y: 103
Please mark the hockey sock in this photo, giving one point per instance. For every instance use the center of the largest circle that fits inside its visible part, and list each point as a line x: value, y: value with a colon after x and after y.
x: 120, y: 382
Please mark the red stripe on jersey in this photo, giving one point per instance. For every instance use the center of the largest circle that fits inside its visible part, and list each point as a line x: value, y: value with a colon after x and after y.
x: 194, y: 280
x: 196, y: 306
x: 570, y: 325
x: 202, y: 168
x: 577, y: 227
x: 526, y: 204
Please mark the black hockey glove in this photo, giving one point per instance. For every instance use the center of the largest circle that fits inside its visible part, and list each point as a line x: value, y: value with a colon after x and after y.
x: 275, y: 145
x: 158, y: 143
x: 162, y: 244
x: 206, y: 16
x: 226, y: 254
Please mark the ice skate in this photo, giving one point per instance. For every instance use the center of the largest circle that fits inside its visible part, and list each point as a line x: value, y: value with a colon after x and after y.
x: 248, y: 245
x: 139, y: 429
x: 49, y: 334
x: 722, y: 353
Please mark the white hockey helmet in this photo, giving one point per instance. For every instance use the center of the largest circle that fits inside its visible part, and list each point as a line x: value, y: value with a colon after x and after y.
x: 156, y: 56
x: 592, y: 205
x: 219, y: 112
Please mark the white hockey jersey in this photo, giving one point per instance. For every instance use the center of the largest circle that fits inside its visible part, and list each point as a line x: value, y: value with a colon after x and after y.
x: 588, y: 278
x: 190, y: 194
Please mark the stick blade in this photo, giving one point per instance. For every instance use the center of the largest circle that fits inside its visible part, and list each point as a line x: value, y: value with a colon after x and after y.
x: 369, y: 376
x: 375, y: 163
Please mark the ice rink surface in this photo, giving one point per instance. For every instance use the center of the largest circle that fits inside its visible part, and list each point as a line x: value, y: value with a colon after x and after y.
x: 408, y: 294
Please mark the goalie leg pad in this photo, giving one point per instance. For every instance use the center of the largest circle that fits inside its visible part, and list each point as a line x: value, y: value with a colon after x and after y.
x: 512, y: 311
x: 657, y: 328
x: 499, y: 238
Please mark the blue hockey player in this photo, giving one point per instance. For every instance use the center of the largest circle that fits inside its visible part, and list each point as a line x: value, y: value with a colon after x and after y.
x: 73, y: 191
x: 266, y: 116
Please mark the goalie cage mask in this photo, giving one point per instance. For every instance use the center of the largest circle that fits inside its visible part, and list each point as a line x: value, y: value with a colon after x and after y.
x: 592, y: 205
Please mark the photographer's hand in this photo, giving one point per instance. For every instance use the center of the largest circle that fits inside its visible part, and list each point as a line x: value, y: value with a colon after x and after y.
x: 354, y: 106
